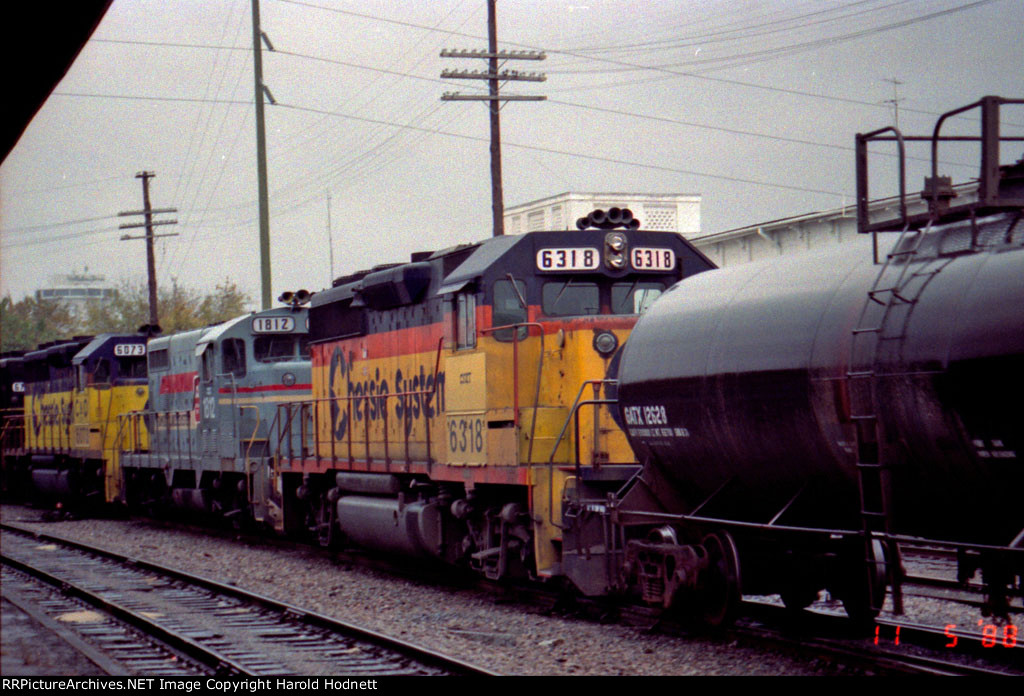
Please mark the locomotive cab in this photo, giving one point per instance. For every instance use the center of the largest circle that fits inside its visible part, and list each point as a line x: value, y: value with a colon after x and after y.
x: 109, y: 380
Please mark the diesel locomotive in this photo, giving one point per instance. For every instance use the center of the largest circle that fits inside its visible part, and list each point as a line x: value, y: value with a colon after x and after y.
x: 454, y: 395
x: 62, y: 403
x: 600, y: 406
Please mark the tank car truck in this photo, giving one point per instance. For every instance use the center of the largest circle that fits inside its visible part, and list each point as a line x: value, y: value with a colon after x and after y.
x: 202, y: 443
x: 455, y: 396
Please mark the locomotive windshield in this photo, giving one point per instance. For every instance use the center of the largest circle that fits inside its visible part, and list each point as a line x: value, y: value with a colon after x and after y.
x: 571, y: 298
x: 635, y: 297
x: 280, y: 348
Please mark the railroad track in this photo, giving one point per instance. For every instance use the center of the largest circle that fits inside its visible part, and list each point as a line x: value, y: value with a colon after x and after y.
x: 220, y: 629
x: 898, y: 647
x: 894, y: 647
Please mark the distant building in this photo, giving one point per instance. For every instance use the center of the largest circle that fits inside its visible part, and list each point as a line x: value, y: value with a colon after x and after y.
x: 77, y: 291
x: 812, y: 231
x: 663, y: 212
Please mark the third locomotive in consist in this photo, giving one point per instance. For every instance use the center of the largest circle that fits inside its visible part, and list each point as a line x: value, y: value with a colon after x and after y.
x: 599, y: 406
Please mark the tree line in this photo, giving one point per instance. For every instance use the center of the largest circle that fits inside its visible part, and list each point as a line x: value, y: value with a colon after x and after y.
x: 31, y: 321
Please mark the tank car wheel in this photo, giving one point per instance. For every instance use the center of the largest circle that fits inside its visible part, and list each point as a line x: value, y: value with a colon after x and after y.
x: 797, y: 598
x: 863, y: 591
x: 720, y: 595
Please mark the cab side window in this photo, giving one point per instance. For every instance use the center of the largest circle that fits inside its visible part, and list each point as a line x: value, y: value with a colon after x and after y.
x: 207, y: 364
x: 465, y: 320
x: 233, y: 356
x: 508, y: 308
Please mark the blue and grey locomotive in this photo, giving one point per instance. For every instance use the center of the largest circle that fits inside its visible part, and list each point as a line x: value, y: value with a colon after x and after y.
x: 204, y: 441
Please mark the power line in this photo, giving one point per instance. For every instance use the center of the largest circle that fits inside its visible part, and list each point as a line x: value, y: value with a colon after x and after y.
x: 139, y: 97
x: 636, y: 66
x: 682, y: 41
x: 567, y: 153
x: 51, y: 225
x: 17, y: 244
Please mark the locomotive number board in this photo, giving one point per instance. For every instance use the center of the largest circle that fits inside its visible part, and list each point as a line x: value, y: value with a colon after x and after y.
x: 569, y: 259
x: 273, y: 324
x: 128, y: 350
x: 589, y: 259
x: 652, y: 259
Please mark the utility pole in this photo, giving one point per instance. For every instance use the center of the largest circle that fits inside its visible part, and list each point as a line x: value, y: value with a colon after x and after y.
x: 330, y: 238
x: 261, y: 152
x: 148, y: 212
x: 494, y: 99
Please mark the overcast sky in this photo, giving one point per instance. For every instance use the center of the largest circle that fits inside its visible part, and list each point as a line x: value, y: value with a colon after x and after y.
x: 752, y: 105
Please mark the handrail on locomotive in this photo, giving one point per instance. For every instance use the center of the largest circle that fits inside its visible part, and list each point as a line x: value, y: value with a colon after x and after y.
x: 310, y: 408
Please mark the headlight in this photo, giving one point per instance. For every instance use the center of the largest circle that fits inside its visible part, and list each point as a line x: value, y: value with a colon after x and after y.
x: 288, y: 379
x: 615, y: 244
x: 605, y: 343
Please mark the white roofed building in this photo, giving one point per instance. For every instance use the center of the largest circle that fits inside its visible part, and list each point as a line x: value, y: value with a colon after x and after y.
x: 77, y: 291
x: 664, y: 212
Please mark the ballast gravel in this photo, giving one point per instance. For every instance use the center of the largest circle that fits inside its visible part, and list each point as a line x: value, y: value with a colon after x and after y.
x: 505, y: 636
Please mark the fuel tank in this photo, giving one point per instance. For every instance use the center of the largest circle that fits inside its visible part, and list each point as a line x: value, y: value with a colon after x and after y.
x: 740, y: 387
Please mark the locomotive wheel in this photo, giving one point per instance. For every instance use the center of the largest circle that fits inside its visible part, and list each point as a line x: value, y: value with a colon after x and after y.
x: 863, y: 591
x: 720, y: 596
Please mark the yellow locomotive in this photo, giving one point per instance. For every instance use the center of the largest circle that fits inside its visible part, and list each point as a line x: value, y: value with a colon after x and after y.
x: 457, y: 397
x: 74, y: 392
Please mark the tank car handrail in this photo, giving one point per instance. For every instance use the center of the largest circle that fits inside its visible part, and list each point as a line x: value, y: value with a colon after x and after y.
x: 863, y: 222
x: 989, y: 176
x: 988, y: 179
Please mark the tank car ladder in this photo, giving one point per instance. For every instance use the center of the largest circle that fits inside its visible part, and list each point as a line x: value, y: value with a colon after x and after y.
x: 893, y: 287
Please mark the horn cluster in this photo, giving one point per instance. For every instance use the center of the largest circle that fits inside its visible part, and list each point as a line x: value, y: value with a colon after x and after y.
x: 295, y: 299
x: 615, y: 217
